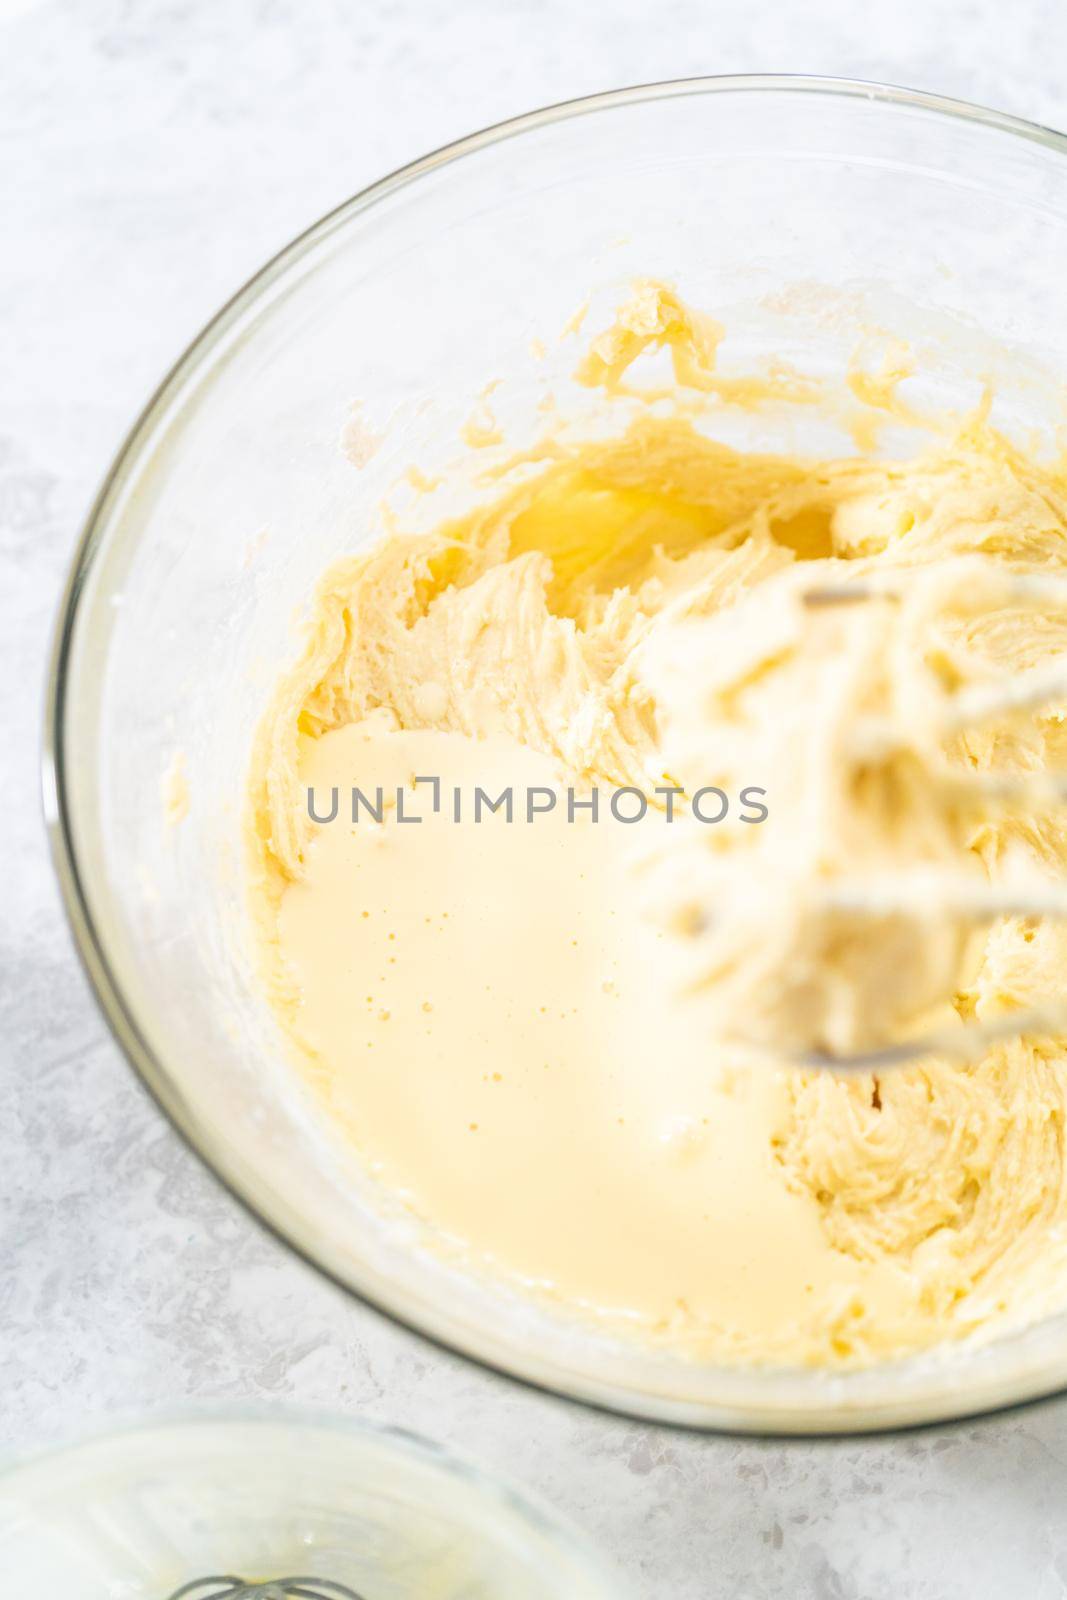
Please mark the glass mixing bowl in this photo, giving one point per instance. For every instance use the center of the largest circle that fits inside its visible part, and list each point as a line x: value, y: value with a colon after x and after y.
x: 137, y: 1514
x: 802, y: 213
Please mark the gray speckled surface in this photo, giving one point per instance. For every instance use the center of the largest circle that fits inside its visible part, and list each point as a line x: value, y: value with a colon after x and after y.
x: 153, y: 154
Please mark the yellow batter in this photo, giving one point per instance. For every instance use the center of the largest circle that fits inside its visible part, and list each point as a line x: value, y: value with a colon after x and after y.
x: 539, y: 1033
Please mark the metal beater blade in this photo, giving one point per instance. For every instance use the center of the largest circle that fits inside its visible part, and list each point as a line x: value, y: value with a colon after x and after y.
x: 230, y: 1588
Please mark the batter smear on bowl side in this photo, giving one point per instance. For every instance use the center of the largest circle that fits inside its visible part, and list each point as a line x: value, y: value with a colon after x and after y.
x: 569, y: 1043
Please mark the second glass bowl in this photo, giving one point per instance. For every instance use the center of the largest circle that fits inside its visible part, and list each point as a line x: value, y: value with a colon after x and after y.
x: 138, y: 1514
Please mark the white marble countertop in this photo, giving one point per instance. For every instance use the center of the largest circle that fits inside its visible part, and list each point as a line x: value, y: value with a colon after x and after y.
x: 153, y: 154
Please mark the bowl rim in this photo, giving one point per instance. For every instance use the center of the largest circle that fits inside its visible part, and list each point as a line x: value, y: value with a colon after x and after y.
x: 120, y: 1017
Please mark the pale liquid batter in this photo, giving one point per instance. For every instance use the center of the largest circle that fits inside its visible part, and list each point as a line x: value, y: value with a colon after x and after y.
x: 518, y: 1046
x: 458, y: 982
